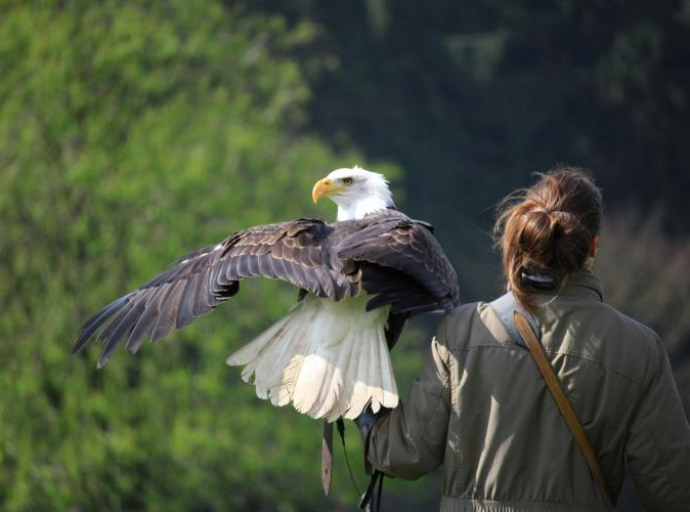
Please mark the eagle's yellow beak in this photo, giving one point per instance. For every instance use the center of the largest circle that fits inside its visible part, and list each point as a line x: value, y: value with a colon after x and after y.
x: 324, y: 188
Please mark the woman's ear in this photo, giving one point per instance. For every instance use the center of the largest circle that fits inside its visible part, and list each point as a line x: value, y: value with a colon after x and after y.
x: 594, y: 247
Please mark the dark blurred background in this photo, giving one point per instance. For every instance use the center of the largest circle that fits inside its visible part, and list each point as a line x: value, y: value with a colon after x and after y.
x: 132, y: 132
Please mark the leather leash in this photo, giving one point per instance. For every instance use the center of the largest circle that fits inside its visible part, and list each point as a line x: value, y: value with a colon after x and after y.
x: 562, y: 401
x: 327, y: 457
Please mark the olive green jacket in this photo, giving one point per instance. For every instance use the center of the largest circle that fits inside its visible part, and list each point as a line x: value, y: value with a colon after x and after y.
x: 481, y: 408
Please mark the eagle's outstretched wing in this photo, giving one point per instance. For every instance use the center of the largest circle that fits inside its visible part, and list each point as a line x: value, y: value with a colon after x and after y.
x: 386, y: 253
x: 298, y: 252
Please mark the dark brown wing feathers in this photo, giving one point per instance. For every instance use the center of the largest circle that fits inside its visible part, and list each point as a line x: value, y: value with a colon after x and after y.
x: 407, y: 267
x: 392, y: 257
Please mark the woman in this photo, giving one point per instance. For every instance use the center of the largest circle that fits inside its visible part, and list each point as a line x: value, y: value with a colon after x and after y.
x: 481, y: 408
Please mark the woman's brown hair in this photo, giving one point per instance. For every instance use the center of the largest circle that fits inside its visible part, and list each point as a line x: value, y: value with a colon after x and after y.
x: 548, y: 229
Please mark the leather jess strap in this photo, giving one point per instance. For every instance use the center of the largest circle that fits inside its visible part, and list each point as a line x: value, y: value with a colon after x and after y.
x: 562, y: 402
x: 327, y: 456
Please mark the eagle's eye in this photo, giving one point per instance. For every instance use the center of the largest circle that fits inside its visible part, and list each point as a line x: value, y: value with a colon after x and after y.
x: 348, y: 181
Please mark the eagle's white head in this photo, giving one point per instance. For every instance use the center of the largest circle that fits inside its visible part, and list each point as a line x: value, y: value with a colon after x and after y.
x: 356, y: 191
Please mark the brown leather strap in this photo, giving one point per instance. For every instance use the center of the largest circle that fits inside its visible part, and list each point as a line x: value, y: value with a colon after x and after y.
x: 327, y: 457
x: 562, y: 402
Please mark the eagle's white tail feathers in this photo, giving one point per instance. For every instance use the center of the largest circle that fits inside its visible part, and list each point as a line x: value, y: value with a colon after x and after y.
x: 277, y: 368
x: 329, y: 359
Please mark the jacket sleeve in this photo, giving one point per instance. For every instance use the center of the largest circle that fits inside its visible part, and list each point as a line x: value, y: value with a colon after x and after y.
x: 658, y: 444
x: 410, y: 441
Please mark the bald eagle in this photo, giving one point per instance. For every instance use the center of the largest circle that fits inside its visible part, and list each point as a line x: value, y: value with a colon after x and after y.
x: 359, y: 280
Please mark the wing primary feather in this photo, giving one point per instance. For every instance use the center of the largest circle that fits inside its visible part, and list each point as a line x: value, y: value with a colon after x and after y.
x: 185, y: 314
x: 124, y: 327
x: 200, y: 293
x: 147, y: 319
x: 214, y: 289
x: 243, y: 266
x: 253, y: 265
x: 105, y: 333
x: 265, y: 267
x: 299, y: 276
x: 231, y: 269
x: 279, y: 269
x: 107, y: 309
x: 326, y: 282
x: 96, y: 321
x: 166, y: 317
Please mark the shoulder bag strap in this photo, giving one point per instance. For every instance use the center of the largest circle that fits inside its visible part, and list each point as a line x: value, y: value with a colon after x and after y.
x: 504, y: 307
x: 562, y: 402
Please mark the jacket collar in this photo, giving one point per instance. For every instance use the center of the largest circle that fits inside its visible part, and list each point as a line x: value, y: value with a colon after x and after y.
x: 582, y: 283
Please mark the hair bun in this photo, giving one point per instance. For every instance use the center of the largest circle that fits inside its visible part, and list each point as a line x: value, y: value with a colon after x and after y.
x: 566, y: 220
x: 548, y: 228
x: 571, y: 241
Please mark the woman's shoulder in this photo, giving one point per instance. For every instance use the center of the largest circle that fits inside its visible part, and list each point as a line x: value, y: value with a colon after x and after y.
x: 462, y: 312
x: 476, y: 324
x: 617, y: 323
x: 600, y: 333
x: 472, y: 324
x: 631, y: 341
x: 629, y: 322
